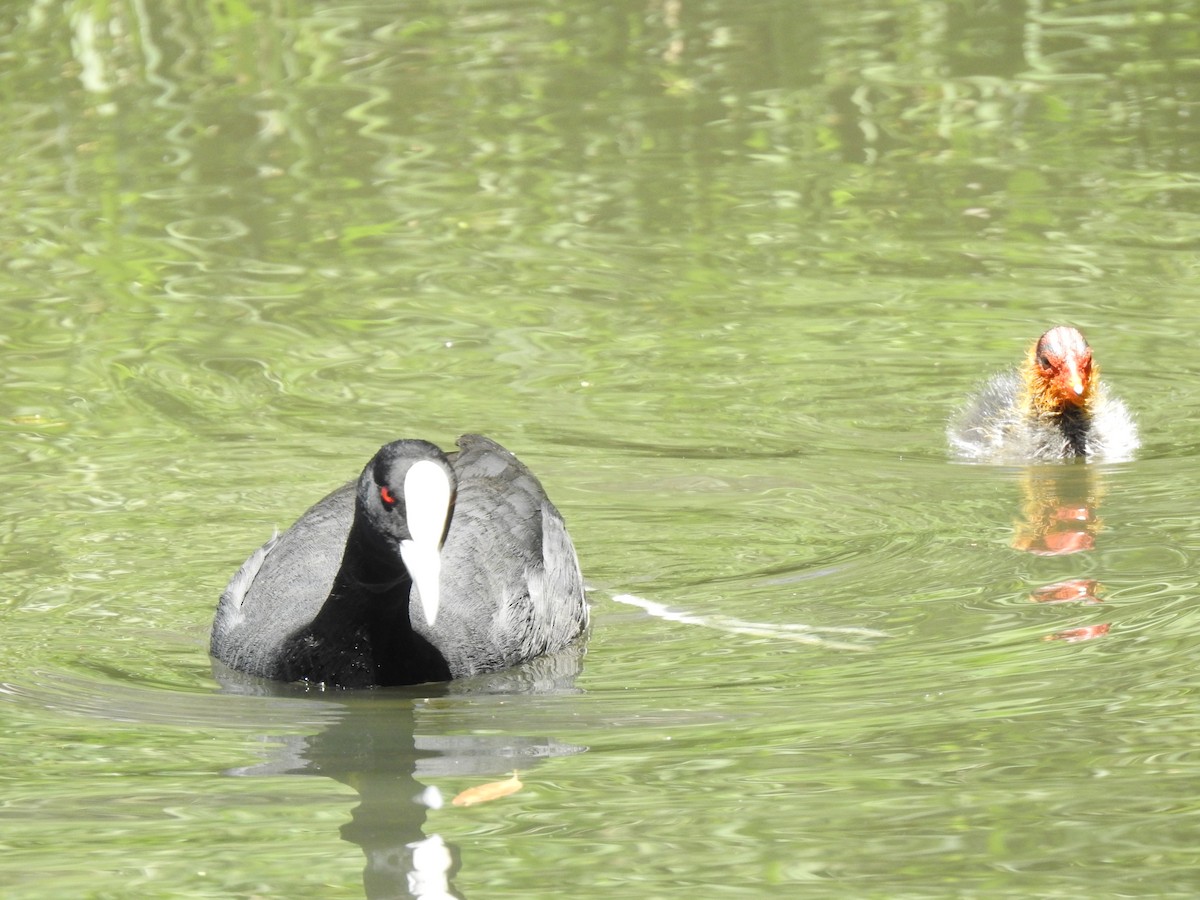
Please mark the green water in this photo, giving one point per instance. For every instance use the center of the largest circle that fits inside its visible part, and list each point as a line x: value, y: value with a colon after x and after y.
x: 718, y: 272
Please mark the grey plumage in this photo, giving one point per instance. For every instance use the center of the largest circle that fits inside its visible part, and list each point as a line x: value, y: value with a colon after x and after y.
x: 993, y: 428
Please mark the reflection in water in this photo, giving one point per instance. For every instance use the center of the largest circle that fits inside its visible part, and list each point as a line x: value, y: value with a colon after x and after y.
x: 1080, y: 590
x: 1059, y: 514
x: 373, y: 745
x: 1086, y: 633
x: 1059, y: 518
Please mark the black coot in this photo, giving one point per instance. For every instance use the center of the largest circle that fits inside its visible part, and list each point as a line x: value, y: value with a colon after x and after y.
x: 432, y: 566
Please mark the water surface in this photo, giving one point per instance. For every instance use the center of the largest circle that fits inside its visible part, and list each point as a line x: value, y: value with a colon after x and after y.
x: 719, y: 273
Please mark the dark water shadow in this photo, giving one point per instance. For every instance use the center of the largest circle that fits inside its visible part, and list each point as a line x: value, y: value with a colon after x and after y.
x: 383, y: 743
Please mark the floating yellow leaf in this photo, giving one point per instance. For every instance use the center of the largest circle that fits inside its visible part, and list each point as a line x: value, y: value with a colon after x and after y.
x: 36, y: 419
x: 493, y: 790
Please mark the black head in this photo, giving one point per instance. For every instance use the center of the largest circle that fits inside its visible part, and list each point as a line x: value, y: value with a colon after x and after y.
x: 404, y: 499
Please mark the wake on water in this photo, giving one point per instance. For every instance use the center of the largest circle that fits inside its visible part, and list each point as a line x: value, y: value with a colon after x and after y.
x: 838, y: 638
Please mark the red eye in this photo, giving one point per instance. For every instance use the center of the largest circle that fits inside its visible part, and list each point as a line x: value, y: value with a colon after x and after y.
x: 386, y: 496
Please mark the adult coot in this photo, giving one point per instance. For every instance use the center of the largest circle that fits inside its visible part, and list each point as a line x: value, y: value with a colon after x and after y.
x: 431, y: 566
x: 1053, y: 407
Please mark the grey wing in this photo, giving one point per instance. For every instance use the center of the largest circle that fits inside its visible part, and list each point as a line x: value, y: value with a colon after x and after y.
x: 556, y: 594
x: 282, y: 586
x: 513, y: 560
x: 229, y: 608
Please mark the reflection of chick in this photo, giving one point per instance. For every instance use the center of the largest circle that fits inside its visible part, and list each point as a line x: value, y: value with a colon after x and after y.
x: 1074, y: 635
x: 1053, y: 407
x: 1060, y: 513
x: 1074, y: 590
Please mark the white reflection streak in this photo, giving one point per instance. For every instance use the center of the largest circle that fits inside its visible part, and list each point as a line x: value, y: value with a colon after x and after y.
x: 93, y: 71
x: 431, y: 862
x: 804, y: 634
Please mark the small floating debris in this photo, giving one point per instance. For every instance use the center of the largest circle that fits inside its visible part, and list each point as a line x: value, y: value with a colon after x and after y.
x: 493, y: 790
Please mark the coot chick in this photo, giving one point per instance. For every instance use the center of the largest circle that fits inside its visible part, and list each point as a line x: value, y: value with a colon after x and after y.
x: 432, y: 566
x: 1053, y: 407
